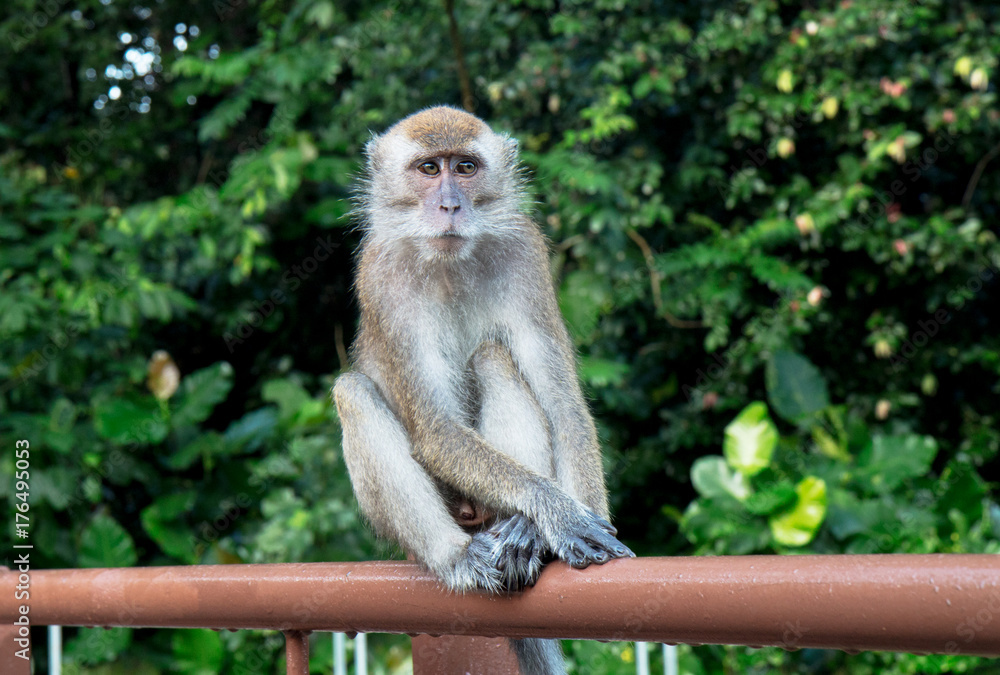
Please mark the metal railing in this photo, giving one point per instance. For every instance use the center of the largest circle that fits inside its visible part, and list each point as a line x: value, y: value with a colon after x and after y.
x: 915, y: 603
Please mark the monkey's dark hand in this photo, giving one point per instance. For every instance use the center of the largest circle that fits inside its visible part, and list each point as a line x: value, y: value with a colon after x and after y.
x: 519, y: 551
x: 584, y: 538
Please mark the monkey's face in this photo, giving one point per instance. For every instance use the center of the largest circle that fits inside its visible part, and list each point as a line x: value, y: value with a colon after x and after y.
x: 441, y: 200
x: 450, y: 190
x: 441, y: 183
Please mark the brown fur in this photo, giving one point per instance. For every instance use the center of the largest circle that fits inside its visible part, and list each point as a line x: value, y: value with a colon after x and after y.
x: 442, y: 129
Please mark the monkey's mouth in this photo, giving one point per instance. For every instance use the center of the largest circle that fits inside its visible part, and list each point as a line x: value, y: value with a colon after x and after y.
x: 448, y: 243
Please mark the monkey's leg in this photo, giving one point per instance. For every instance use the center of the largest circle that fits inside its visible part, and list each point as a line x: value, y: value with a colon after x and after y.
x: 514, y: 422
x: 511, y: 420
x: 397, y: 496
x: 509, y: 416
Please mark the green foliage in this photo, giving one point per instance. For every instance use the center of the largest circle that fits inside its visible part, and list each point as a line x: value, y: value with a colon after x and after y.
x: 797, y: 526
x: 199, y: 652
x: 750, y: 440
x: 795, y: 387
x: 105, y: 543
x: 775, y: 244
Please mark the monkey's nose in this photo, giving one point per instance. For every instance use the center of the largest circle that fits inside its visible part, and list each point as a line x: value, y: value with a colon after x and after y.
x: 448, y: 197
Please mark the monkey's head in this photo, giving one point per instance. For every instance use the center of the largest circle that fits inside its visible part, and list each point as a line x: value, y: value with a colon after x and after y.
x: 441, y: 181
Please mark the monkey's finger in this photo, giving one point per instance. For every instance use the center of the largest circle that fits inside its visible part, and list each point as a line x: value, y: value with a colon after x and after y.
x: 575, y: 554
x: 606, y: 525
x: 511, y: 527
x: 587, y: 553
x: 609, y: 544
x: 512, y: 537
x: 523, y: 555
x: 502, y: 530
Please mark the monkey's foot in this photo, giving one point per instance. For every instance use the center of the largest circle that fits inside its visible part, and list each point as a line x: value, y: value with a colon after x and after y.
x: 589, y: 539
x: 519, y: 551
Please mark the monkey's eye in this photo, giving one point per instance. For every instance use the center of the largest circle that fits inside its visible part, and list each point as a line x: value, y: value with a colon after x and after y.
x: 429, y: 169
x: 465, y: 168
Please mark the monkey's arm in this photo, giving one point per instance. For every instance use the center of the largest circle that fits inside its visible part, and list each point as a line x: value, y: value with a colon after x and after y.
x: 397, y: 496
x: 550, y: 368
x: 544, y: 354
x: 460, y: 456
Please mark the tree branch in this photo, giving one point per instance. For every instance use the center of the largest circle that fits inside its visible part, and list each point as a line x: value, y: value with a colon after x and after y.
x: 654, y: 282
x: 980, y: 166
x: 468, y: 102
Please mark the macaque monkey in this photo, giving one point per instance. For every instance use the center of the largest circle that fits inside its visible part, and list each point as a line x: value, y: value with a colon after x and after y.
x: 466, y: 434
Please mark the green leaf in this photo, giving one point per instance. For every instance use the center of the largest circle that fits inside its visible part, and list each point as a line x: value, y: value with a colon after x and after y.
x: 290, y: 397
x: 105, y: 543
x: 712, y: 478
x: 848, y: 516
x: 136, y: 420
x: 583, y: 298
x: 202, y: 391
x: 208, y: 445
x: 750, y: 440
x: 93, y: 646
x: 890, y: 460
x: 217, y: 123
x: 771, y: 498
x: 994, y: 511
x: 828, y: 446
x: 197, y: 652
x: 164, y: 523
x: 722, y: 528
x: 322, y: 14
x: 252, y: 429
x: 798, y: 526
x: 54, y: 485
x: 603, y: 372
x: 965, y: 489
x: 795, y: 386
x: 330, y: 212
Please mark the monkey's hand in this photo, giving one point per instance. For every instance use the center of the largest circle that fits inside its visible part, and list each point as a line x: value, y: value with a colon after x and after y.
x: 519, y: 551
x: 583, y: 537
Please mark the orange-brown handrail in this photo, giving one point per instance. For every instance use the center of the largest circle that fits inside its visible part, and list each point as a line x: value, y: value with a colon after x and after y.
x: 913, y: 603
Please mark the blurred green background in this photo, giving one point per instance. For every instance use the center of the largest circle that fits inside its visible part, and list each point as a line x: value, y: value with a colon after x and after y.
x: 774, y: 229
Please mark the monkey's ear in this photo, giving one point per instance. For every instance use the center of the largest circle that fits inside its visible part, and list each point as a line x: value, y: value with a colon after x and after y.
x: 371, y: 153
x: 511, y: 151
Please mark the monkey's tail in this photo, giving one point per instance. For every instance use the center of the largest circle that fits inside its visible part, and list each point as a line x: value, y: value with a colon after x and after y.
x: 539, y: 657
